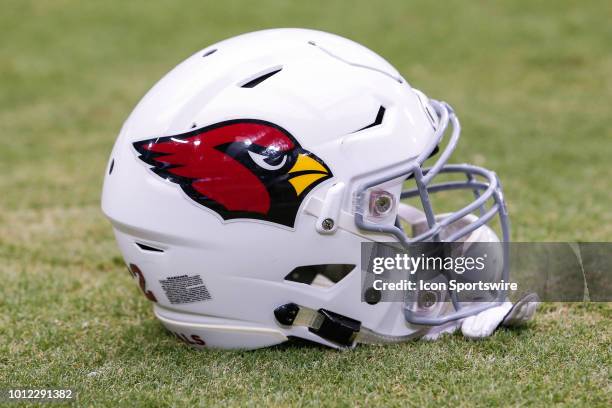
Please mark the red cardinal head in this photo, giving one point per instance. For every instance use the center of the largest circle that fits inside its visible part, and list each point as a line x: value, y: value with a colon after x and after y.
x: 239, y: 169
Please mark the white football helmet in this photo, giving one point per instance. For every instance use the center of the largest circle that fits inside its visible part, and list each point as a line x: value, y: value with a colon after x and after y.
x: 242, y: 185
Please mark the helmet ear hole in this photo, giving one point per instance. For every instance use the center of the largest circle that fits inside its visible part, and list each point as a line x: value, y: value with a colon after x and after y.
x: 324, y: 275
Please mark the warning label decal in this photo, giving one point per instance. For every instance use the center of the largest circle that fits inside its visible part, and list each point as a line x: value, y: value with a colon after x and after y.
x: 185, y: 289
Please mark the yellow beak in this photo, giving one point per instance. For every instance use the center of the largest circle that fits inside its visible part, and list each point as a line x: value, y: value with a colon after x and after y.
x: 308, y: 171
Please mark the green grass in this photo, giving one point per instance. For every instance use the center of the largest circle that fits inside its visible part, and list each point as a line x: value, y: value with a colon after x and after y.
x: 530, y: 81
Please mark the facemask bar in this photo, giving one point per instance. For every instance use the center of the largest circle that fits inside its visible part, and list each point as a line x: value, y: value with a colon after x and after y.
x: 483, y: 192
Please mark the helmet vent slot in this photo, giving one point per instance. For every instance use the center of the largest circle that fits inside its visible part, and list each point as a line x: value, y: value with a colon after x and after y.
x: 111, y: 167
x: 252, y: 83
x: 325, y: 275
x: 377, y: 121
x: 209, y: 52
x: 148, y: 248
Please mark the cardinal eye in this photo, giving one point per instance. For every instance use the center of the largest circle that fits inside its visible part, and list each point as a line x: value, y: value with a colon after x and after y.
x: 264, y: 161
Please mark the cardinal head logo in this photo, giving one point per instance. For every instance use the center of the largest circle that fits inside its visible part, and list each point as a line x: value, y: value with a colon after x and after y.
x: 239, y: 169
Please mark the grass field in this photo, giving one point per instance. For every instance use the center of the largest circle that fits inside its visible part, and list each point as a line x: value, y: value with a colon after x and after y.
x: 530, y: 81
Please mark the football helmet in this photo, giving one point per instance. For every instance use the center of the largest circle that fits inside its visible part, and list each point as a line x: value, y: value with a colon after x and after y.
x: 241, y: 188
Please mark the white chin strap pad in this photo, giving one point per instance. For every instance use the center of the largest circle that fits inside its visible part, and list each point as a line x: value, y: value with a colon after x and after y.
x: 485, y: 323
x: 474, y: 327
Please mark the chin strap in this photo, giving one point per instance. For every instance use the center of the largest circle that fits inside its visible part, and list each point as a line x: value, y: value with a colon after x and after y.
x: 346, y: 332
x: 336, y: 328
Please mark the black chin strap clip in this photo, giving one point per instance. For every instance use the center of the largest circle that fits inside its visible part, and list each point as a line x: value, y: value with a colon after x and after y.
x: 336, y: 328
x: 326, y: 324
